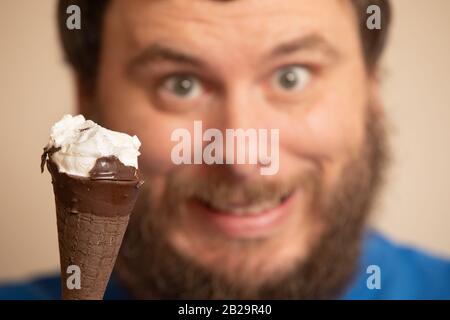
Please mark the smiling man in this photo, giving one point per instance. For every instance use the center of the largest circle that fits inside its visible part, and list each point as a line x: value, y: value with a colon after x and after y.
x: 305, y: 68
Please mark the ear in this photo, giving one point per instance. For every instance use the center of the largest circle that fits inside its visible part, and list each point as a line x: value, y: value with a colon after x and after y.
x: 375, y: 95
x: 85, y: 100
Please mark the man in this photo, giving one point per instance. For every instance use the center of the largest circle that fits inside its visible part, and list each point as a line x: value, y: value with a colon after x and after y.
x: 306, y: 69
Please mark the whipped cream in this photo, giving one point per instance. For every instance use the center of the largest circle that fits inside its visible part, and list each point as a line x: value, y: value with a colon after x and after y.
x: 82, y: 142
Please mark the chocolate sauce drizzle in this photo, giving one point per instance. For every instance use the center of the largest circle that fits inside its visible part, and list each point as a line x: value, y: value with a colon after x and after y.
x: 110, y: 168
x: 48, y: 152
x: 110, y: 190
x: 105, y: 168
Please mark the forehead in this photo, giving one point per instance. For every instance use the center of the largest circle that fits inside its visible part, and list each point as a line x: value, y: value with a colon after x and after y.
x: 208, y: 25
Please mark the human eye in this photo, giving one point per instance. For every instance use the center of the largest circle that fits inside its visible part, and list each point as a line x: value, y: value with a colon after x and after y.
x: 292, y: 78
x: 182, y: 86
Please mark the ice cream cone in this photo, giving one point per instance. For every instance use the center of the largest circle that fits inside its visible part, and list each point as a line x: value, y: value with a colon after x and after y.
x: 92, y: 216
x: 95, y: 181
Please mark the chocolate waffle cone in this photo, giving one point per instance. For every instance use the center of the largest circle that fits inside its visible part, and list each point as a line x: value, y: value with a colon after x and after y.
x: 92, y: 243
x: 92, y: 216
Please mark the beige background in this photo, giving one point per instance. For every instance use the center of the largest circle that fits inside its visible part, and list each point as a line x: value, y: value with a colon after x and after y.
x: 35, y: 91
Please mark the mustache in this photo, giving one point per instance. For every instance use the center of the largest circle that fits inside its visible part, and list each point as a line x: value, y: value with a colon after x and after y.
x: 219, y: 189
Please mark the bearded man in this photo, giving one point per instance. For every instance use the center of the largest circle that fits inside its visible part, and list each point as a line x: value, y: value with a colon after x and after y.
x: 218, y: 231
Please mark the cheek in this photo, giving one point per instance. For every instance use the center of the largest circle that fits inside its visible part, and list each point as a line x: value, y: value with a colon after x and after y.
x: 327, y: 135
x: 334, y: 127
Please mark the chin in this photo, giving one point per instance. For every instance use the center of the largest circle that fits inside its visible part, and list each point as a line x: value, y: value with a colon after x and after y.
x: 248, y: 259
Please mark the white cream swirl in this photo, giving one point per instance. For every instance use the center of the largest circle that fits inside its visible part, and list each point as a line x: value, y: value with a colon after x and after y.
x: 82, y: 142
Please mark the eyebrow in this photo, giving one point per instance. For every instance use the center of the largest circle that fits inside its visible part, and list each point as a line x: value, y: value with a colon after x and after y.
x: 309, y: 42
x: 157, y: 52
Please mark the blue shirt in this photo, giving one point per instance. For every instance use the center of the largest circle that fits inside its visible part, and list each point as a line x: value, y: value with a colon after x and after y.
x: 400, y: 273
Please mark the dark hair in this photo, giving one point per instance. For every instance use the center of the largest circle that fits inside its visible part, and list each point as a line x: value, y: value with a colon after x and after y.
x: 82, y: 47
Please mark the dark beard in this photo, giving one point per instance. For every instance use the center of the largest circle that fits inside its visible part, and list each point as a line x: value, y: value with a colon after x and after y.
x: 151, y: 268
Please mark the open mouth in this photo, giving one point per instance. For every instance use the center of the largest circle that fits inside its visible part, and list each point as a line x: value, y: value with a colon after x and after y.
x: 245, y: 209
x: 245, y: 220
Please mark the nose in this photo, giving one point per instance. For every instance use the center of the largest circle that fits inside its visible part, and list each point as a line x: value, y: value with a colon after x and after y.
x: 245, y: 136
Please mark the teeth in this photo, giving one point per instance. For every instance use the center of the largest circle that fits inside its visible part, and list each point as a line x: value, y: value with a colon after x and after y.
x: 247, y: 210
x: 253, y: 209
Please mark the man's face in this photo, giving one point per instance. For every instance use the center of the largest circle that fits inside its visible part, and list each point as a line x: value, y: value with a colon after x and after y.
x: 296, y: 66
